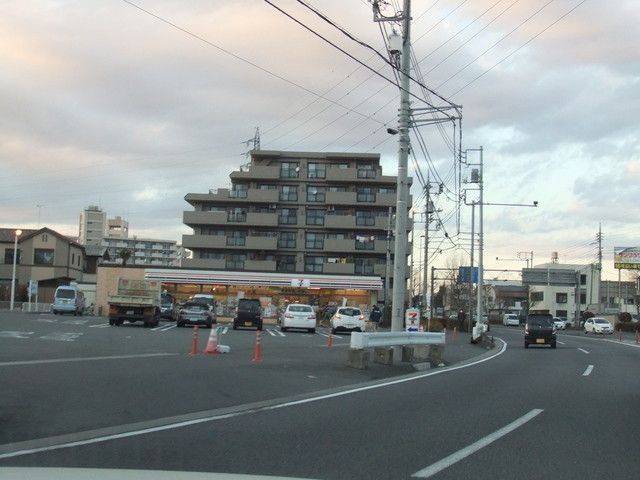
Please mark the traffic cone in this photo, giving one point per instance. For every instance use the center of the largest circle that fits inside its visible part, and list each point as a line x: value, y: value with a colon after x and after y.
x: 194, y: 341
x: 257, y: 355
x: 330, y: 340
x: 212, y: 344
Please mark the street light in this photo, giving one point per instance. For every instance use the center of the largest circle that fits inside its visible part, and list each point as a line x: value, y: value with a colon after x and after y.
x: 13, y: 276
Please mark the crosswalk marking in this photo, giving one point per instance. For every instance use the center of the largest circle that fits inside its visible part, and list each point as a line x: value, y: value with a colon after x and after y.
x: 280, y: 333
x: 225, y: 330
x: 100, y: 325
x: 270, y: 332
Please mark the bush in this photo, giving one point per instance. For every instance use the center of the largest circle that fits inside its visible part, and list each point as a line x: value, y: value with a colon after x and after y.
x: 624, y: 317
x: 627, y: 327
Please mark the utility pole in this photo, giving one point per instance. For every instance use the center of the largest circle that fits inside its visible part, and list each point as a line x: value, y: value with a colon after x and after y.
x: 387, y: 265
x: 400, y: 250
x: 425, y: 268
x: 480, y: 247
x: 599, y: 238
x: 473, y: 241
x: 411, y: 280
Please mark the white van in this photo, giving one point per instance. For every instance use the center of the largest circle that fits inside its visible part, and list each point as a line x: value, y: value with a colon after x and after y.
x: 68, y: 299
x: 511, y: 319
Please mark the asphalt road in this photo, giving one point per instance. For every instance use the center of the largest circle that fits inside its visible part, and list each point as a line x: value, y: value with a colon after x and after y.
x: 535, y: 413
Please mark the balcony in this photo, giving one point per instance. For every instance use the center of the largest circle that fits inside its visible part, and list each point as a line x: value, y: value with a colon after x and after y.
x: 220, y: 242
x: 262, y: 219
x: 341, y: 198
x: 353, y: 175
x: 338, y: 268
x: 211, y: 263
x: 258, y: 172
x: 338, y: 245
x: 226, y: 196
x: 204, y: 218
x: 221, y: 218
x: 260, y: 265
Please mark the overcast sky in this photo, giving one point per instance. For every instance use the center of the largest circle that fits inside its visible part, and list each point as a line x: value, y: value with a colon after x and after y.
x: 101, y: 103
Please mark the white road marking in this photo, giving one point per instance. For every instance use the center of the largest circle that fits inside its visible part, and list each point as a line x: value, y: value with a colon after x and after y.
x: 169, y: 327
x: 583, y: 350
x: 323, y: 334
x: 271, y: 333
x: 588, y: 371
x: 561, y: 343
x: 83, y: 359
x: 75, y: 322
x: 100, y: 325
x: 11, y: 334
x: 474, y: 447
x: 47, y: 320
x: 247, y: 411
x: 61, y: 336
x: 158, y: 328
x: 280, y: 333
x: 225, y: 330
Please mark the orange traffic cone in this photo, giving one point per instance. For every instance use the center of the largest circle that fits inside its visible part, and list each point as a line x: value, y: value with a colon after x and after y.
x: 194, y: 341
x: 212, y: 344
x: 330, y: 340
x: 257, y: 355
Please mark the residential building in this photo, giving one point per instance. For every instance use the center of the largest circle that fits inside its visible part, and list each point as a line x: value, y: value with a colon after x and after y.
x: 117, y: 228
x: 553, y: 287
x: 620, y: 296
x: 93, y: 224
x: 43, y: 255
x: 143, y: 251
x: 296, y: 213
x: 506, y: 297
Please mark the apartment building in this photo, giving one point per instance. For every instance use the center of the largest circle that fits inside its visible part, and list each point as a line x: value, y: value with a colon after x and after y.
x: 620, y: 296
x: 295, y: 212
x: 93, y: 225
x: 143, y: 251
x: 117, y: 228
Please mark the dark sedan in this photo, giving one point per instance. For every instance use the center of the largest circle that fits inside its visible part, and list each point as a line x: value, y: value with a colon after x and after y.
x: 195, y: 313
x: 540, y: 330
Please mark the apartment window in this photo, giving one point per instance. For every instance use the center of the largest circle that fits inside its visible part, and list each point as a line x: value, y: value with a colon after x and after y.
x: 337, y: 236
x: 365, y: 218
x: 73, y: 258
x: 313, y: 264
x: 267, y: 186
x: 286, y: 263
x: 213, y: 208
x: 211, y: 231
x: 561, y: 313
x: 629, y: 301
x: 236, y: 238
x: 316, y: 170
x: 365, y: 242
x: 211, y: 255
x: 289, y: 193
x: 315, y: 216
x: 537, y: 296
x: 341, y: 166
x: 583, y: 299
x: 235, y: 261
x: 366, y: 195
x: 237, y: 215
x: 316, y: 194
x: 583, y: 279
x: 43, y: 256
x: 288, y: 216
x: 263, y: 233
x: 45, y: 237
x: 364, y: 266
x: 287, y: 240
x: 314, y: 240
x: 8, y: 256
x: 561, y: 298
x: 366, y: 171
x: 337, y: 189
x: 289, y: 170
x: 239, y: 191
x: 386, y: 190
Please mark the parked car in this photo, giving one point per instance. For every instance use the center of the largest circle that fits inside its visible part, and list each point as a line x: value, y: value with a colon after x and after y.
x: 597, y: 325
x: 195, y: 313
x: 167, y: 307
x: 568, y: 322
x: 248, y: 314
x: 68, y: 299
x: 347, y: 319
x: 559, y: 323
x: 539, y: 330
x: 298, y: 315
x: 511, y: 319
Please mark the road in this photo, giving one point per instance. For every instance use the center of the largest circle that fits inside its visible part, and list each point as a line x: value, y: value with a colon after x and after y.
x: 535, y: 413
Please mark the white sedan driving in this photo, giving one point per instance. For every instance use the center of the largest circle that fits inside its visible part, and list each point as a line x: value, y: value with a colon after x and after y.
x: 298, y: 315
x: 347, y: 319
x: 559, y: 323
x: 598, y: 325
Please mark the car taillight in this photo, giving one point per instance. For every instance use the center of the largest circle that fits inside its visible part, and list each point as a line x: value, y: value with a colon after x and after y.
x: 361, y: 317
x: 526, y: 329
x: 338, y: 315
x: 288, y: 315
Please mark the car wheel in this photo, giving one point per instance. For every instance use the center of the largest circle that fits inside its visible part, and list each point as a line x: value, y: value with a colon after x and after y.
x: 283, y: 329
x: 259, y: 327
x: 111, y: 321
x: 179, y: 324
x: 553, y: 344
x: 312, y: 330
x: 358, y: 329
x: 235, y: 327
x: 585, y: 332
x: 333, y: 331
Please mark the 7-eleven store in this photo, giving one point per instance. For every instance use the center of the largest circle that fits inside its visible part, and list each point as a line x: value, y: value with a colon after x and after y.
x: 274, y: 290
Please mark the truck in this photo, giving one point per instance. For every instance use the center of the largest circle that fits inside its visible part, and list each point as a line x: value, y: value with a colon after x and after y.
x: 135, y: 301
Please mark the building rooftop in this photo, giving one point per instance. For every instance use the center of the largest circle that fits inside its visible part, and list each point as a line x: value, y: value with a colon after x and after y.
x: 7, y: 234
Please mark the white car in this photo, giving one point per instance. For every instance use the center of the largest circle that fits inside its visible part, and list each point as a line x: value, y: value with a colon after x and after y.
x: 298, y: 315
x: 598, y: 325
x: 347, y: 319
x: 559, y: 323
x: 511, y: 319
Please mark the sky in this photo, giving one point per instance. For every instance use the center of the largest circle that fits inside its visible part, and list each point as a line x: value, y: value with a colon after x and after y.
x: 104, y: 104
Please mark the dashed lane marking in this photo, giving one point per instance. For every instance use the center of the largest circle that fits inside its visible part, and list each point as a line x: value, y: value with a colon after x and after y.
x: 583, y: 350
x: 271, y: 332
x: 588, y: 371
x: 100, y: 325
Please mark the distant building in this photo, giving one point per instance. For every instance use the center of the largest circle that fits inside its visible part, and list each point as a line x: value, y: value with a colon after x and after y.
x: 117, y: 228
x: 619, y: 296
x: 143, y: 251
x: 93, y: 224
x: 43, y: 255
x: 553, y: 286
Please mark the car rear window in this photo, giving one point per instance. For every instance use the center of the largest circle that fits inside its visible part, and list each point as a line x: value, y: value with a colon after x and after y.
x: 540, y: 321
x: 66, y: 293
x: 600, y: 320
x: 249, y: 305
x: 300, y: 308
x: 196, y: 306
x: 352, y: 312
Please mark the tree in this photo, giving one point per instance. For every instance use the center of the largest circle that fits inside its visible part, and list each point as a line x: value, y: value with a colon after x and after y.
x: 124, y: 255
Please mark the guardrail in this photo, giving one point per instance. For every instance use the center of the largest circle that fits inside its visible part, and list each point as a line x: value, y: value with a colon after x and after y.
x: 360, y: 340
